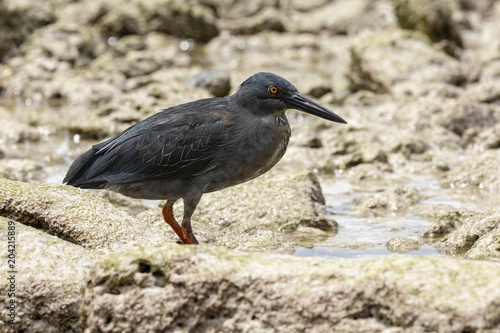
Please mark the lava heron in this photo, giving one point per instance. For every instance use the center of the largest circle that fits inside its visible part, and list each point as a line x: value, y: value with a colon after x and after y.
x: 197, y: 147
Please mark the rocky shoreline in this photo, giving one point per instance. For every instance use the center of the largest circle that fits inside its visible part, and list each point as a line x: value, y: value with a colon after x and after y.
x: 418, y: 83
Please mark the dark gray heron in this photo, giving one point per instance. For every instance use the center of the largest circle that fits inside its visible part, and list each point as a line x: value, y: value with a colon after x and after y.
x: 197, y: 147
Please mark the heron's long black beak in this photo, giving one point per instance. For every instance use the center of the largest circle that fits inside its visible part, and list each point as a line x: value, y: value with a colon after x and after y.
x: 302, y: 103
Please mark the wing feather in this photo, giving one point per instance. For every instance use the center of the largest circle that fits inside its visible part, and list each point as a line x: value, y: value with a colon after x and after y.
x: 176, y: 143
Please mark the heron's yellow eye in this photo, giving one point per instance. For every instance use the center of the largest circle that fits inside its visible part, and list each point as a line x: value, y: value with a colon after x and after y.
x: 273, y: 89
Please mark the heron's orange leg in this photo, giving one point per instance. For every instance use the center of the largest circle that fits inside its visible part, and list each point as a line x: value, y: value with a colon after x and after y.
x: 168, y: 216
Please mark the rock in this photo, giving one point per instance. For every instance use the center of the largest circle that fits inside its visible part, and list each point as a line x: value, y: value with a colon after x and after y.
x: 408, y: 144
x: 75, y: 215
x: 269, y: 18
x: 392, y: 201
x: 143, y: 62
x: 341, y: 17
x: 18, y: 20
x: 380, y: 61
x: 459, y: 116
x: 363, y: 173
x: 48, y: 282
x: 403, y: 245
x: 22, y: 169
x: 488, y: 138
x: 14, y: 130
x: 217, y: 82
x: 431, y: 212
x: 468, y: 234
x: 351, y: 147
x: 433, y: 18
x: 174, y: 17
x: 249, y: 216
x: 65, y: 41
x: 483, y: 92
x: 476, y: 172
x: 213, y: 289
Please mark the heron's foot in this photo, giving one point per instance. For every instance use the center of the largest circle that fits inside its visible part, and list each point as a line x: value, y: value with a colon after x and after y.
x: 189, y: 235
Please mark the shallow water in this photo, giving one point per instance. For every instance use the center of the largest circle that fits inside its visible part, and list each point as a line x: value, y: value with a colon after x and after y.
x: 366, y: 237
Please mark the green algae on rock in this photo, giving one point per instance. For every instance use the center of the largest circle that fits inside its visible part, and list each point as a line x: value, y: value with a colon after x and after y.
x: 468, y: 234
x: 209, y: 288
x: 75, y: 215
x: 50, y: 275
x: 249, y: 216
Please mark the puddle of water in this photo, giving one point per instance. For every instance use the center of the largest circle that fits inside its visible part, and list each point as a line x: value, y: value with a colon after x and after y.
x: 367, y: 237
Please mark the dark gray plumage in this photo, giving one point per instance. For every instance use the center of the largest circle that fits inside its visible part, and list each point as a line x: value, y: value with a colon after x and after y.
x: 198, y: 147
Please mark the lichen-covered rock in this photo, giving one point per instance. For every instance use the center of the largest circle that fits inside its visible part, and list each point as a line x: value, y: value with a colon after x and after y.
x: 19, y: 19
x: 379, y: 62
x: 14, y: 130
x: 446, y: 222
x: 174, y: 17
x: 460, y: 116
x: 477, y: 172
x: 50, y: 273
x: 22, y: 169
x: 488, y: 138
x: 403, y: 244
x: 433, y: 18
x: 217, y: 82
x: 213, y: 289
x: 394, y: 201
x: 269, y: 18
x: 250, y: 216
x: 340, y: 17
x: 469, y: 234
x: 75, y: 215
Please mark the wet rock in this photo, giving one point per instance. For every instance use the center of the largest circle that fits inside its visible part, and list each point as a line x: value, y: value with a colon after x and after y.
x: 75, y: 215
x: 249, y: 216
x: 50, y: 275
x: 14, y: 130
x: 129, y: 205
x: 479, y: 172
x: 342, y: 17
x: 143, y: 62
x: 217, y: 82
x: 459, y: 116
x: 433, y: 18
x: 380, y: 61
x: 392, y: 201
x: 403, y: 245
x: 303, y: 6
x: 446, y: 222
x: 368, y: 172
x: 213, y: 289
x: 22, y: 169
x: 488, y: 138
x: 64, y: 41
x: 90, y: 126
x: 469, y: 234
x: 367, y: 153
x: 309, y: 237
x: 482, y: 92
x: 316, y: 86
x: 349, y: 147
x: 18, y: 20
x: 431, y: 212
x: 408, y: 144
x: 178, y: 18
x: 269, y: 18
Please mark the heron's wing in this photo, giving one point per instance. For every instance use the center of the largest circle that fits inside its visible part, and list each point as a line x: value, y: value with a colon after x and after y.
x: 170, y: 144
